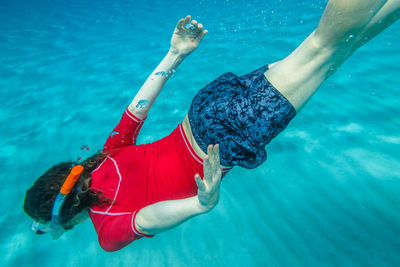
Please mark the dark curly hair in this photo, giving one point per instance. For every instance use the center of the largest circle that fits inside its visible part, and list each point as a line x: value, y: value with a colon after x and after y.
x: 39, y: 199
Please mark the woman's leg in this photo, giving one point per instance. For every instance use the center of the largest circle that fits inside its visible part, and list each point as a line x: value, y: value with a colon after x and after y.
x: 385, y: 17
x: 344, y: 27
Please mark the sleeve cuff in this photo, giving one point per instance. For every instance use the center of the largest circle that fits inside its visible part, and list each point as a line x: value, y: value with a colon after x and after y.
x: 134, y: 227
x: 133, y: 117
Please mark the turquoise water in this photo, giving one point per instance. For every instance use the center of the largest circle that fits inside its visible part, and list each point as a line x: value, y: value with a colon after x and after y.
x: 328, y: 194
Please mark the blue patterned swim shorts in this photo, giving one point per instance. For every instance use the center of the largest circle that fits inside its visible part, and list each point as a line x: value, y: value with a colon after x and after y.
x: 241, y: 114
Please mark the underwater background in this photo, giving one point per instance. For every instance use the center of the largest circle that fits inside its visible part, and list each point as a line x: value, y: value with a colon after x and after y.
x: 329, y: 193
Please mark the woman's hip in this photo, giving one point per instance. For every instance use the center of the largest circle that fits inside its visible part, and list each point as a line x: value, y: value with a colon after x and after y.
x: 241, y: 114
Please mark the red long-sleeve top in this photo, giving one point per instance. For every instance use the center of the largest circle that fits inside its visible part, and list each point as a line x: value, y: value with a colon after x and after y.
x: 135, y: 176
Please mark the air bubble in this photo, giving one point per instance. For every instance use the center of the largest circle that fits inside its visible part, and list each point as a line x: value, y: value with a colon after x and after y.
x: 85, y: 147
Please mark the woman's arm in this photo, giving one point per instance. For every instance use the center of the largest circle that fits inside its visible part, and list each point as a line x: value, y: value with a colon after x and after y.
x: 184, y: 41
x: 164, y: 215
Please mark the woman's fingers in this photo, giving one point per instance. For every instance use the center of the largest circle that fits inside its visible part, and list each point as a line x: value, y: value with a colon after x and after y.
x: 200, y: 36
x: 200, y: 184
x: 211, y: 164
x: 180, y: 24
x: 213, y: 153
x: 209, y: 185
x: 197, y: 27
x: 216, y: 154
x: 187, y: 19
x: 211, y: 160
x: 217, y: 166
x: 207, y: 169
x: 191, y: 27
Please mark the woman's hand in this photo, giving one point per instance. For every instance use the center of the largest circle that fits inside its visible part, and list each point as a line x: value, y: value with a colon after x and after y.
x: 186, y: 37
x: 208, y: 188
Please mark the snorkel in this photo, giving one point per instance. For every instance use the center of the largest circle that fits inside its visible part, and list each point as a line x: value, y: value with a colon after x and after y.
x: 56, y: 230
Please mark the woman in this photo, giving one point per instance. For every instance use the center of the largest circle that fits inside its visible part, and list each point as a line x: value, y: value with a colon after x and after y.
x: 131, y: 191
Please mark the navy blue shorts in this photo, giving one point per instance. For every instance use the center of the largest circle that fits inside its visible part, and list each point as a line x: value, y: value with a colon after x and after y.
x: 242, y: 115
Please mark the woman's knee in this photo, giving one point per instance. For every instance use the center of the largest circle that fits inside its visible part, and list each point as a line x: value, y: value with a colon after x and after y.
x: 343, y: 21
x: 385, y: 17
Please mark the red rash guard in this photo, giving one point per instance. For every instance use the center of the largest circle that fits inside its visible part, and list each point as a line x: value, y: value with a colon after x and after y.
x: 135, y: 176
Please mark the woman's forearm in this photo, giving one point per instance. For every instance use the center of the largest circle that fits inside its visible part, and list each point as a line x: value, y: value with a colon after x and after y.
x: 164, y: 215
x: 183, y: 42
x: 155, y: 82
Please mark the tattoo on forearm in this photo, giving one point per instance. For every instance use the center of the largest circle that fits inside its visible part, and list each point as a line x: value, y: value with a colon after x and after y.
x: 165, y: 73
x: 143, y: 104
